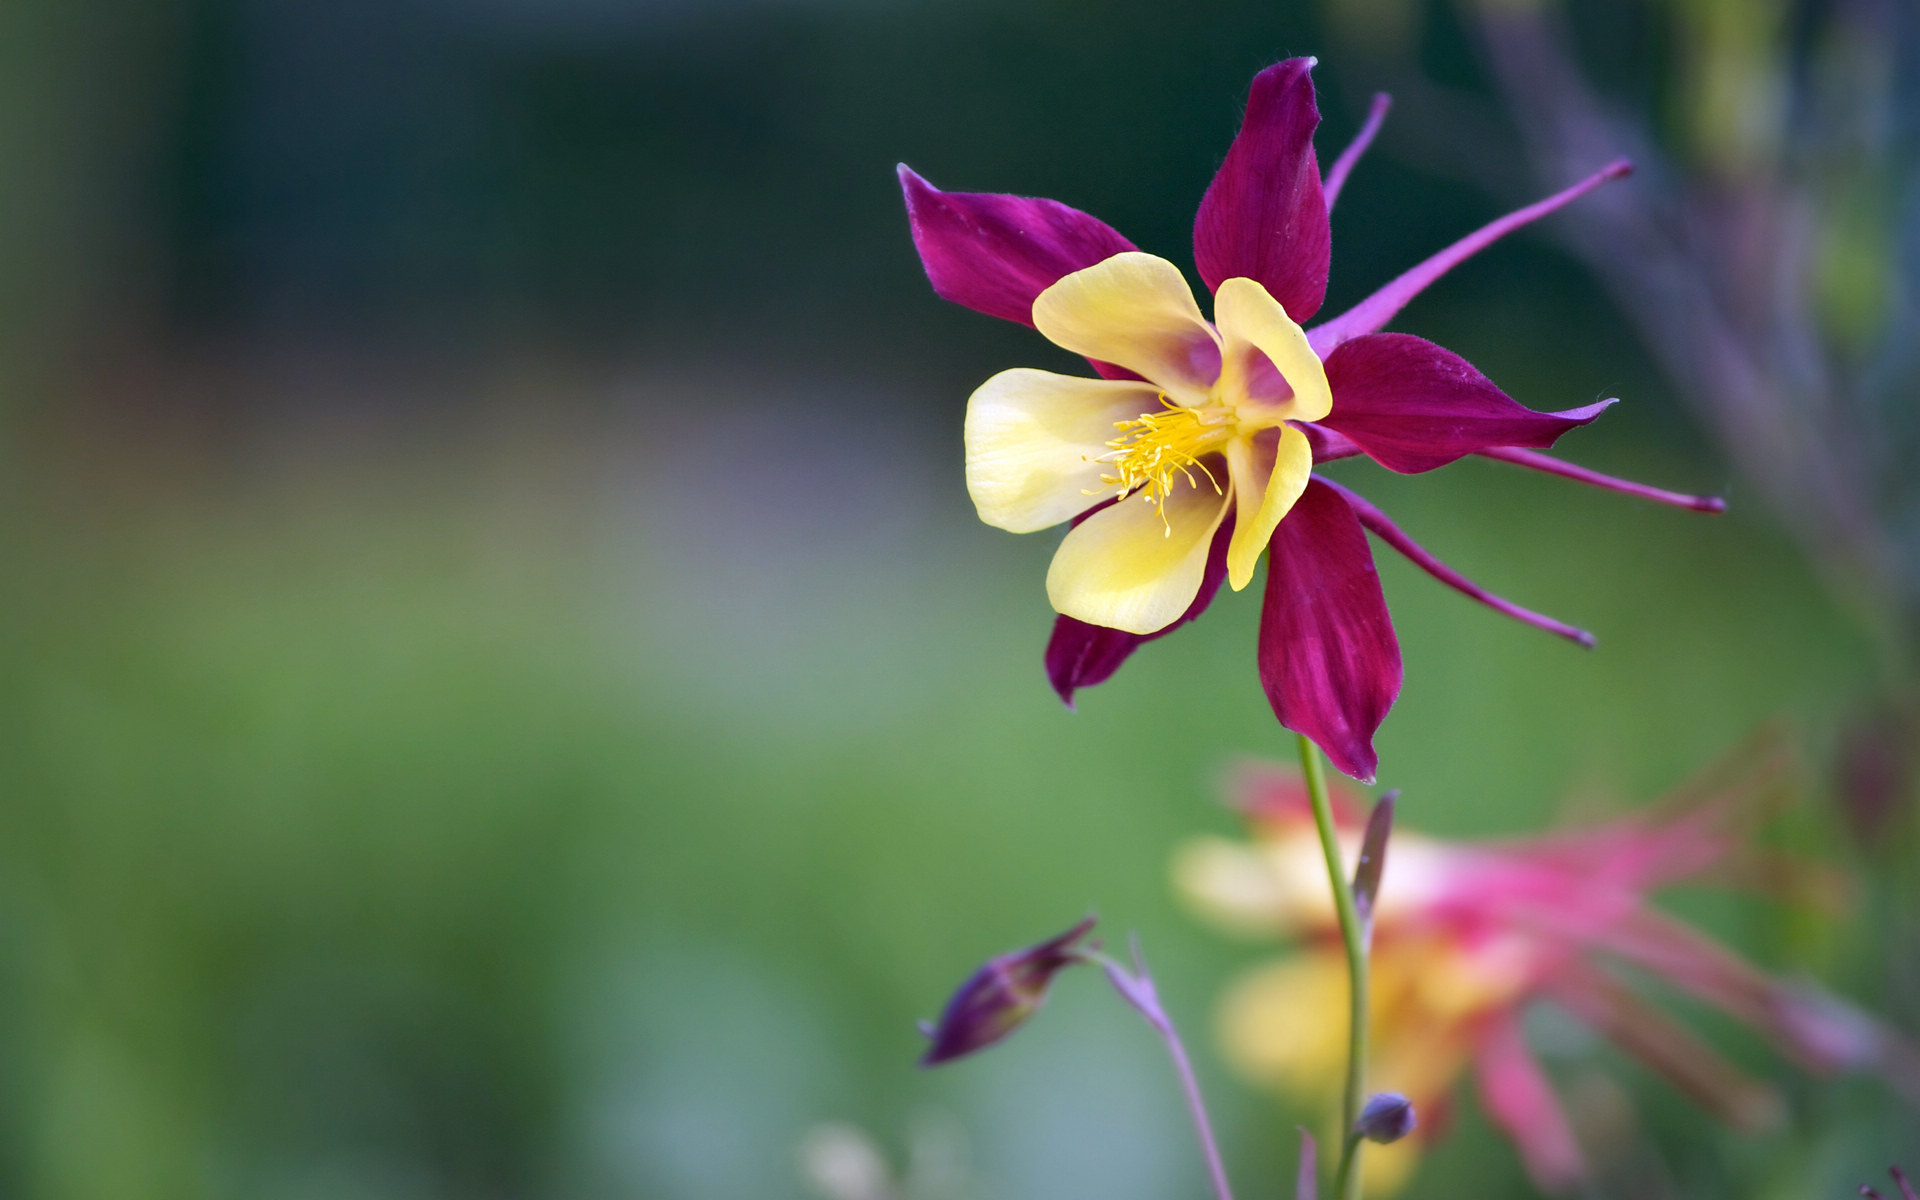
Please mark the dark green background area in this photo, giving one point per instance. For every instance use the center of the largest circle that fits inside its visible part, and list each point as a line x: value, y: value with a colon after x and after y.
x: 504, y: 695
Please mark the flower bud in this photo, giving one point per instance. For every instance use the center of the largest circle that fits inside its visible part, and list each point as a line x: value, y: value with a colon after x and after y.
x: 1000, y: 996
x: 1387, y: 1117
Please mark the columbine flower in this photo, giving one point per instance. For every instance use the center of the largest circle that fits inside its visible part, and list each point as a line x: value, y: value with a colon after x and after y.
x: 1194, y: 450
x: 1469, y: 935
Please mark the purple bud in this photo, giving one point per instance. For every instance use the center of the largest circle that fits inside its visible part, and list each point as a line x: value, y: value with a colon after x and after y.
x: 1387, y: 1117
x: 1000, y: 996
x: 1373, y: 857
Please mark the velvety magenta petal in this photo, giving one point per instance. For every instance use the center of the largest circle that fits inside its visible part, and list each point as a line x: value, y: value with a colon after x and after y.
x: 994, y: 253
x: 1382, y: 527
x: 1518, y: 1098
x: 1264, y: 217
x: 1080, y: 655
x: 1412, y: 406
x: 1328, y: 446
x: 1328, y: 657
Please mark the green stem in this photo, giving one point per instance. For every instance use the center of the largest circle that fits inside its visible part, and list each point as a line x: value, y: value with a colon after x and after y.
x: 1347, y: 1180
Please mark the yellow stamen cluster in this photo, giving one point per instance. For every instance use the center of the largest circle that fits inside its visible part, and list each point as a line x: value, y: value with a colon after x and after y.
x: 1155, y: 447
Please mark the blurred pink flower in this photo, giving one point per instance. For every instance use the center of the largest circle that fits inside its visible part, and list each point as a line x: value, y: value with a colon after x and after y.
x: 1239, y: 410
x: 1468, y: 935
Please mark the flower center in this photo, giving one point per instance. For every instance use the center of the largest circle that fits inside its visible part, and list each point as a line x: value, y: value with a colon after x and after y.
x: 1155, y: 449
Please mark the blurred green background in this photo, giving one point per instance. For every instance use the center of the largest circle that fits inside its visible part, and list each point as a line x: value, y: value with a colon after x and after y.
x: 502, y: 692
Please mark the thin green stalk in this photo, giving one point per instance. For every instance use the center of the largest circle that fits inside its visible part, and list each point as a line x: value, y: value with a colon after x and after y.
x: 1347, y: 1180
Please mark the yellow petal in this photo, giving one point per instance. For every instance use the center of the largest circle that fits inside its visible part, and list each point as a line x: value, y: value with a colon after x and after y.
x: 1124, y: 568
x: 1285, y: 1025
x: 1032, y: 438
x: 1250, y: 319
x: 1136, y: 311
x: 1231, y: 885
x: 1390, y: 1169
x: 1269, y: 887
x: 1269, y: 474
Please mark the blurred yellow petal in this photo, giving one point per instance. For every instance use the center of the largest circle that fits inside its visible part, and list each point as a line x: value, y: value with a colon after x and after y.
x: 1032, y: 438
x: 1285, y: 1025
x: 1136, y: 311
x: 1271, y: 888
x: 1136, y: 566
x: 1230, y: 885
x: 1269, y: 473
x: 1249, y: 318
x: 1387, y: 1170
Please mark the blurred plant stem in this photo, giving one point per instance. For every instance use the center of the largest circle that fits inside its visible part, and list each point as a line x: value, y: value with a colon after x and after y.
x: 1347, y: 1178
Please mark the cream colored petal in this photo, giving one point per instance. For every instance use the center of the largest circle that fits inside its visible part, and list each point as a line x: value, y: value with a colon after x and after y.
x: 1231, y: 885
x: 1250, y: 318
x: 1124, y: 568
x: 1275, y: 886
x: 1136, y: 311
x: 1031, y: 440
x: 1269, y: 474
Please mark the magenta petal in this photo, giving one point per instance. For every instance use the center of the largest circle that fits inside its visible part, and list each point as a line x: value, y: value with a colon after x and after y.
x: 994, y: 253
x: 1327, y: 445
x: 1518, y: 1098
x: 1328, y: 657
x: 1412, y: 406
x: 1264, y: 216
x: 1080, y: 655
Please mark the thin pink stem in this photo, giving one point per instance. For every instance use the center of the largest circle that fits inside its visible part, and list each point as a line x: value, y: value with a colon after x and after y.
x: 1198, y: 1108
x: 1384, y: 528
x: 1136, y: 988
x: 1553, y: 466
x: 1343, y: 166
x: 1376, y: 310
